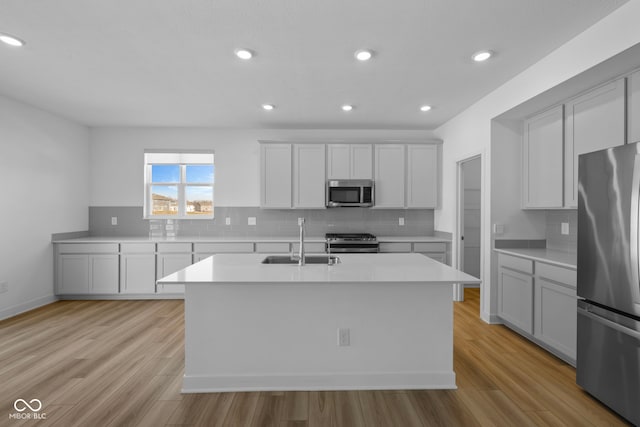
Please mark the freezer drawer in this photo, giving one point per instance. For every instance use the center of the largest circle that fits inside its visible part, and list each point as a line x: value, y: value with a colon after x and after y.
x: 608, y: 360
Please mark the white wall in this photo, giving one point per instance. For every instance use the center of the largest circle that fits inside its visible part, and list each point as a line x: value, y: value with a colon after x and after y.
x: 43, y: 168
x: 117, y: 158
x: 470, y: 131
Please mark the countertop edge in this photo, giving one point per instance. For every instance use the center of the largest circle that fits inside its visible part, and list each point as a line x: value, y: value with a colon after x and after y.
x: 519, y: 252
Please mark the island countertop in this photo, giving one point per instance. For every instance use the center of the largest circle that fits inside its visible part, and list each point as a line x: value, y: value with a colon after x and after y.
x: 354, y: 268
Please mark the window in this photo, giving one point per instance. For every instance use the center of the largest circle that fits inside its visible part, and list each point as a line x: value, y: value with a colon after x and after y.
x: 178, y: 185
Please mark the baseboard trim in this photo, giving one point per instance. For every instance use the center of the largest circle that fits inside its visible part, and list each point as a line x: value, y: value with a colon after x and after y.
x: 27, y: 306
x: 311, y: 382
x: 121, y: 297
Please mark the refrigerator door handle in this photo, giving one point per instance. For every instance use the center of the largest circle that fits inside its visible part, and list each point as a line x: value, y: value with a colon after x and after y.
x: 611, y: 324
x: 633, y: 227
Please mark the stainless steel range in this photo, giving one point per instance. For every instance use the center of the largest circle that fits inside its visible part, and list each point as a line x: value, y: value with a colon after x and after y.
x: 352, y: 243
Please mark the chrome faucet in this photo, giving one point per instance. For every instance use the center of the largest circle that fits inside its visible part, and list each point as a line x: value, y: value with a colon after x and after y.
x: 301, y: 248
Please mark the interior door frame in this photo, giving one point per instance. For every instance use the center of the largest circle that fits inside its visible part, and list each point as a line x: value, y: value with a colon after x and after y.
x: 458, y: 288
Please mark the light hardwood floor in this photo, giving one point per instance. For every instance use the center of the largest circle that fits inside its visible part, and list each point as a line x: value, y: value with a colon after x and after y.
x: 120, y: 363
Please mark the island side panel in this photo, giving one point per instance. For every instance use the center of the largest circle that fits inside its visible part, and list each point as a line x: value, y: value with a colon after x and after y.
x: 261, y: 336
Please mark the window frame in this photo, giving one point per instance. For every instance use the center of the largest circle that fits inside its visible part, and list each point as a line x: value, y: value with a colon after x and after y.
x: 181, y: 186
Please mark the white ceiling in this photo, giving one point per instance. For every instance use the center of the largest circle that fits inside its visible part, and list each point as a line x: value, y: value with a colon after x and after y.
x: 171, y: 62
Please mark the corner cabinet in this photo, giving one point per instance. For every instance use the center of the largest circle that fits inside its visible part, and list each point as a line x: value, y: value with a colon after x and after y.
x: 275, y: 176
x: 633, y: 107
x: 542, y: 160
x: 309, y: 176
x: 593, y: 121
x: 87, y: 269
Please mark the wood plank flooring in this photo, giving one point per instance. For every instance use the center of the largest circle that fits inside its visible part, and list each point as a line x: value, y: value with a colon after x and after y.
x: 120, y: 363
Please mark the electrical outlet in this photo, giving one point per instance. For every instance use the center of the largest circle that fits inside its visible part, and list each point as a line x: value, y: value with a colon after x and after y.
x: 344, y: 337
x: 401, y: 221
x: 564, y: 228
x: 227, y: 221
x: 114, y: 220
x: 251, y: 220
x: 498, y: 228
x: 4, y: 287
x: 300, y: 221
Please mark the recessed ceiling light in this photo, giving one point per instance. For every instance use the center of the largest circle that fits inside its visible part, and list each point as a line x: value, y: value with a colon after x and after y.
x: 347, y: 107
x: 483, y: 55
x: 10, y: 40
x: 425, y: 108
x: 268, y: 107
x: 244, y: 53
x: 363, y: 55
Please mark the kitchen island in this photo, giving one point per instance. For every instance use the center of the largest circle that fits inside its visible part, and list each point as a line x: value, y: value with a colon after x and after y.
x: 373, y: 321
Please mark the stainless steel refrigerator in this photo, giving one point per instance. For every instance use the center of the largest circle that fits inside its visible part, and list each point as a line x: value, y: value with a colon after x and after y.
x: 608, y: 352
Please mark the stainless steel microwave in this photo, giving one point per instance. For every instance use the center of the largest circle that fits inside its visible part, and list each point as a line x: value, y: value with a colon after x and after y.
x: 350, y: 193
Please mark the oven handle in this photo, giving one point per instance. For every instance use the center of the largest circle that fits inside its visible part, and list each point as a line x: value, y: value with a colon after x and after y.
x: 611, y: 324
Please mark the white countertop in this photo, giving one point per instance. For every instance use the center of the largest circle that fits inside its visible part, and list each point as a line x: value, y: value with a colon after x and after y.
x: 550, y: 256
x: 361, y: 268
x: 226, y: 239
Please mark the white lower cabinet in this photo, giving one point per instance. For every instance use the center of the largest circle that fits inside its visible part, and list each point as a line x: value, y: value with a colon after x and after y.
x: 539, y: 300
x: 433, y: 250
x: 515, y: 296
x: 87, y: 269
x: 170, y: 258
x: 556, y: 319
x: 137, y: 268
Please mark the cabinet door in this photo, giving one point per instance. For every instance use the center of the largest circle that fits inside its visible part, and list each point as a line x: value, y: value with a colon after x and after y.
x: 389, y: 175
x: 103, y: 271
x: 633, y: 107
x: 73, y: 274
x: 138, y: 273
x: 438, y: 256
x: 361, y: 162
x: 422, y: 176
x: 338, y: 161
x: 309, y: 176
x: 556, y: 316
x: 593, y: 121
x: 170, y: 263
x: 543, y: 159
x: 515, y: 298
x: 275, y: 183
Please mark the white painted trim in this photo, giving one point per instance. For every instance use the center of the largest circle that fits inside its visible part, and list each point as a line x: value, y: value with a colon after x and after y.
x: 491, y: 319
x: 332, y: 381
x: 27, y: 306
x: 458, y: 289
x: 120, y: 296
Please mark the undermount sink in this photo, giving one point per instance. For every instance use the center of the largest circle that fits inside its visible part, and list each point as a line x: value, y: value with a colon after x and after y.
x: 311, y: 259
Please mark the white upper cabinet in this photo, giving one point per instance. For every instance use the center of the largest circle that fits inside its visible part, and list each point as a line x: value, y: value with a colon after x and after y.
x: 593, y: 121
x: 542, y: 160
x: 422, y: 176
x: 275, y: 170
x: 633, y: 107
x: 389, y: 175
x: 349, y: 161
x: 309, y: 176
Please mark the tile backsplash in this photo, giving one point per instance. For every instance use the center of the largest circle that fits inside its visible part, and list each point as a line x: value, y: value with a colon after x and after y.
x: 555, y: 239
x: 269, y: 222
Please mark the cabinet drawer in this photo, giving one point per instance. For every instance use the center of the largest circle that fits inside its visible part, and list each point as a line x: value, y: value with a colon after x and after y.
x: 174, y: 247
x: 516, y: 263
x: 220, y: 248
x: 429, y: 247
x: 395, y: 247
x: 275, y: 247
x: 315, y: 247
x: 133, y: 248
x: 556, y: 274
x: 87, y: 248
